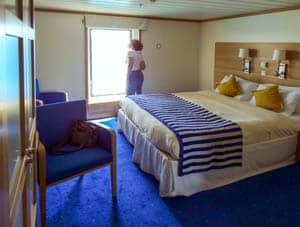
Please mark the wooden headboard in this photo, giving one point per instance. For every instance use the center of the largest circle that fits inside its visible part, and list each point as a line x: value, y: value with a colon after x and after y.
x: 227, y: 62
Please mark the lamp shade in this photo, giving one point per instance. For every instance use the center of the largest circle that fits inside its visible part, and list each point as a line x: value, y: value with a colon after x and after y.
x: 278, y: 55
x: 243, y: 53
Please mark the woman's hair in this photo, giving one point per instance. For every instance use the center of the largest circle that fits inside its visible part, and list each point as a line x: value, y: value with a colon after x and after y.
x: 136, y: 45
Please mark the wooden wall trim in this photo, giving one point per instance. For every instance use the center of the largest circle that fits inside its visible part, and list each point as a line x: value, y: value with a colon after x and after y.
x: 227, y: 62
x: 140, y: 35
x: 50, y: 10
x: 87, y: 61
x: 262, y: 12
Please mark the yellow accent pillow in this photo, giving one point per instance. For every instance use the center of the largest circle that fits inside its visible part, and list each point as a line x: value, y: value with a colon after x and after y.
x: 230, y: 88
x: 269, y: 98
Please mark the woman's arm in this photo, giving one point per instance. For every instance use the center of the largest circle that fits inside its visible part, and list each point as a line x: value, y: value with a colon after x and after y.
x: 142, y: 65
x: 130, y: 65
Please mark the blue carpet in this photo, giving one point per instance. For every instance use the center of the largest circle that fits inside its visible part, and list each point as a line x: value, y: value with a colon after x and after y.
x: 271, y: 199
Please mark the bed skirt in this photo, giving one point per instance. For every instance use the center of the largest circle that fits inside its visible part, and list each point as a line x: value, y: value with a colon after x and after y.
x: 257, y: 158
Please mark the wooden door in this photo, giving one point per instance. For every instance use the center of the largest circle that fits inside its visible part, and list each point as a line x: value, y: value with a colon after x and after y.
x: 18, y: 138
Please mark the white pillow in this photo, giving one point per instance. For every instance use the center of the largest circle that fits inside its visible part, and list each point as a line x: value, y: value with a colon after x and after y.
x: 296, y: 89
x: 264, y: 86
x: 287, y: 88
x: 225, y: 79
x: 290, y: 99
x: 246, y: 86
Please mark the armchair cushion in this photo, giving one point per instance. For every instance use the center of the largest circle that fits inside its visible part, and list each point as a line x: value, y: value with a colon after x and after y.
x: 65, y: 165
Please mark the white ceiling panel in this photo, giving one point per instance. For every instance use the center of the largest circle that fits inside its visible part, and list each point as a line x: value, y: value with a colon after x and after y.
x: 185, y: 9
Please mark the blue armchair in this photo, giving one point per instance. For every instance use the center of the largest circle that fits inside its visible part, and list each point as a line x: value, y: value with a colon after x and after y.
x: 53, y: 121
x: 49, y: 96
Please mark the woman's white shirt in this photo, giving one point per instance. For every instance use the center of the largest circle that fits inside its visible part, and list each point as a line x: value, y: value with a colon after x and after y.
x: 137, y: 57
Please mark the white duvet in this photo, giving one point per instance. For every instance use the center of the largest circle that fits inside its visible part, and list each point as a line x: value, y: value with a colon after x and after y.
x: 257, y: 124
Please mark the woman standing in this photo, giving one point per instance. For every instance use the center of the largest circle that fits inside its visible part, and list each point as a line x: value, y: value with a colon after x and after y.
x: 136, y: 65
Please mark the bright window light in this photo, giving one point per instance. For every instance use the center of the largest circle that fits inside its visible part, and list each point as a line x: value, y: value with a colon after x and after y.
x: 108, y: 70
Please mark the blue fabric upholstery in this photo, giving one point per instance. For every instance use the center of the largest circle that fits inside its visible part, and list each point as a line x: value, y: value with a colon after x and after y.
x: 60, y: 166
x: 53, y: 97
x: 49, y: 97
x: 53, y: 120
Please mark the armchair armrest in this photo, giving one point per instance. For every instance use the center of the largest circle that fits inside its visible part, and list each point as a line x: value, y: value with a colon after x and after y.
x: 298, y: 146
x: 108, y: 142
x: 53, y: 96
x: 39, y: 102
x: 107, y: 137
x: 42, y: 165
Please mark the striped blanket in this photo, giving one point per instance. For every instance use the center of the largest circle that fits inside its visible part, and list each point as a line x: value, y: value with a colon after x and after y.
x: 206, y: 140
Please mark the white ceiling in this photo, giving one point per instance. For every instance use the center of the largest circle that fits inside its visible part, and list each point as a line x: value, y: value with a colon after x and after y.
x: 185, y: 9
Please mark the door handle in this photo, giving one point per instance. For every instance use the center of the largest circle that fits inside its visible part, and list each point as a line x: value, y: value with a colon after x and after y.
x: 28, y: 159
x: 29, y: 154
x: 30, y: 150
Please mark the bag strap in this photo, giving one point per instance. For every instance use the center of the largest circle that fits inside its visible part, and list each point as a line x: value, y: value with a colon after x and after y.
x: 59, y: 151
x: 57, y: 148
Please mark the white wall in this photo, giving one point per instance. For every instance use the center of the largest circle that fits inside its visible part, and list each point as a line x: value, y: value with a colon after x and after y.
x: 276, y: 27
x: 173, y: 67
x: 60, y: 54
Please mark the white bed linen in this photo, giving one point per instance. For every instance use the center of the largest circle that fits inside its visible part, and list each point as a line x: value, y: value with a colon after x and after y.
x: 257, y: 158
x: 296, y: 119
x: 257, y: 124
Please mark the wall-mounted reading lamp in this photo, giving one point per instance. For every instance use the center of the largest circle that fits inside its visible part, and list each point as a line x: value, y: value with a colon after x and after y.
x: 244, y: 54
x: 278, y: 56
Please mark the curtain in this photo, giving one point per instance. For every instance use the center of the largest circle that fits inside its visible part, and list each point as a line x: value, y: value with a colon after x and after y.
x: 99, y: 21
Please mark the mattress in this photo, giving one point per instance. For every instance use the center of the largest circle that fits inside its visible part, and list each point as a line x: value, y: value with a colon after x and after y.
x: 257, y: 124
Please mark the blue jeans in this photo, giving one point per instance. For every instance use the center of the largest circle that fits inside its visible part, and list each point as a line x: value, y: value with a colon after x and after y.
x: 135, y: 83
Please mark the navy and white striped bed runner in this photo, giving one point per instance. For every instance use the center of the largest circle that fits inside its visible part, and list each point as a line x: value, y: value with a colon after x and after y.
x: 206, y: 140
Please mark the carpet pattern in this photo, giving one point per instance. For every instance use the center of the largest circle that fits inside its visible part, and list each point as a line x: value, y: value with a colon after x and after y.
x: 271, y: 199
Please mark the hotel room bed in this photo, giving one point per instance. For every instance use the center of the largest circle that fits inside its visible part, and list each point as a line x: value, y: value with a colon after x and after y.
x: 269, y: 142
